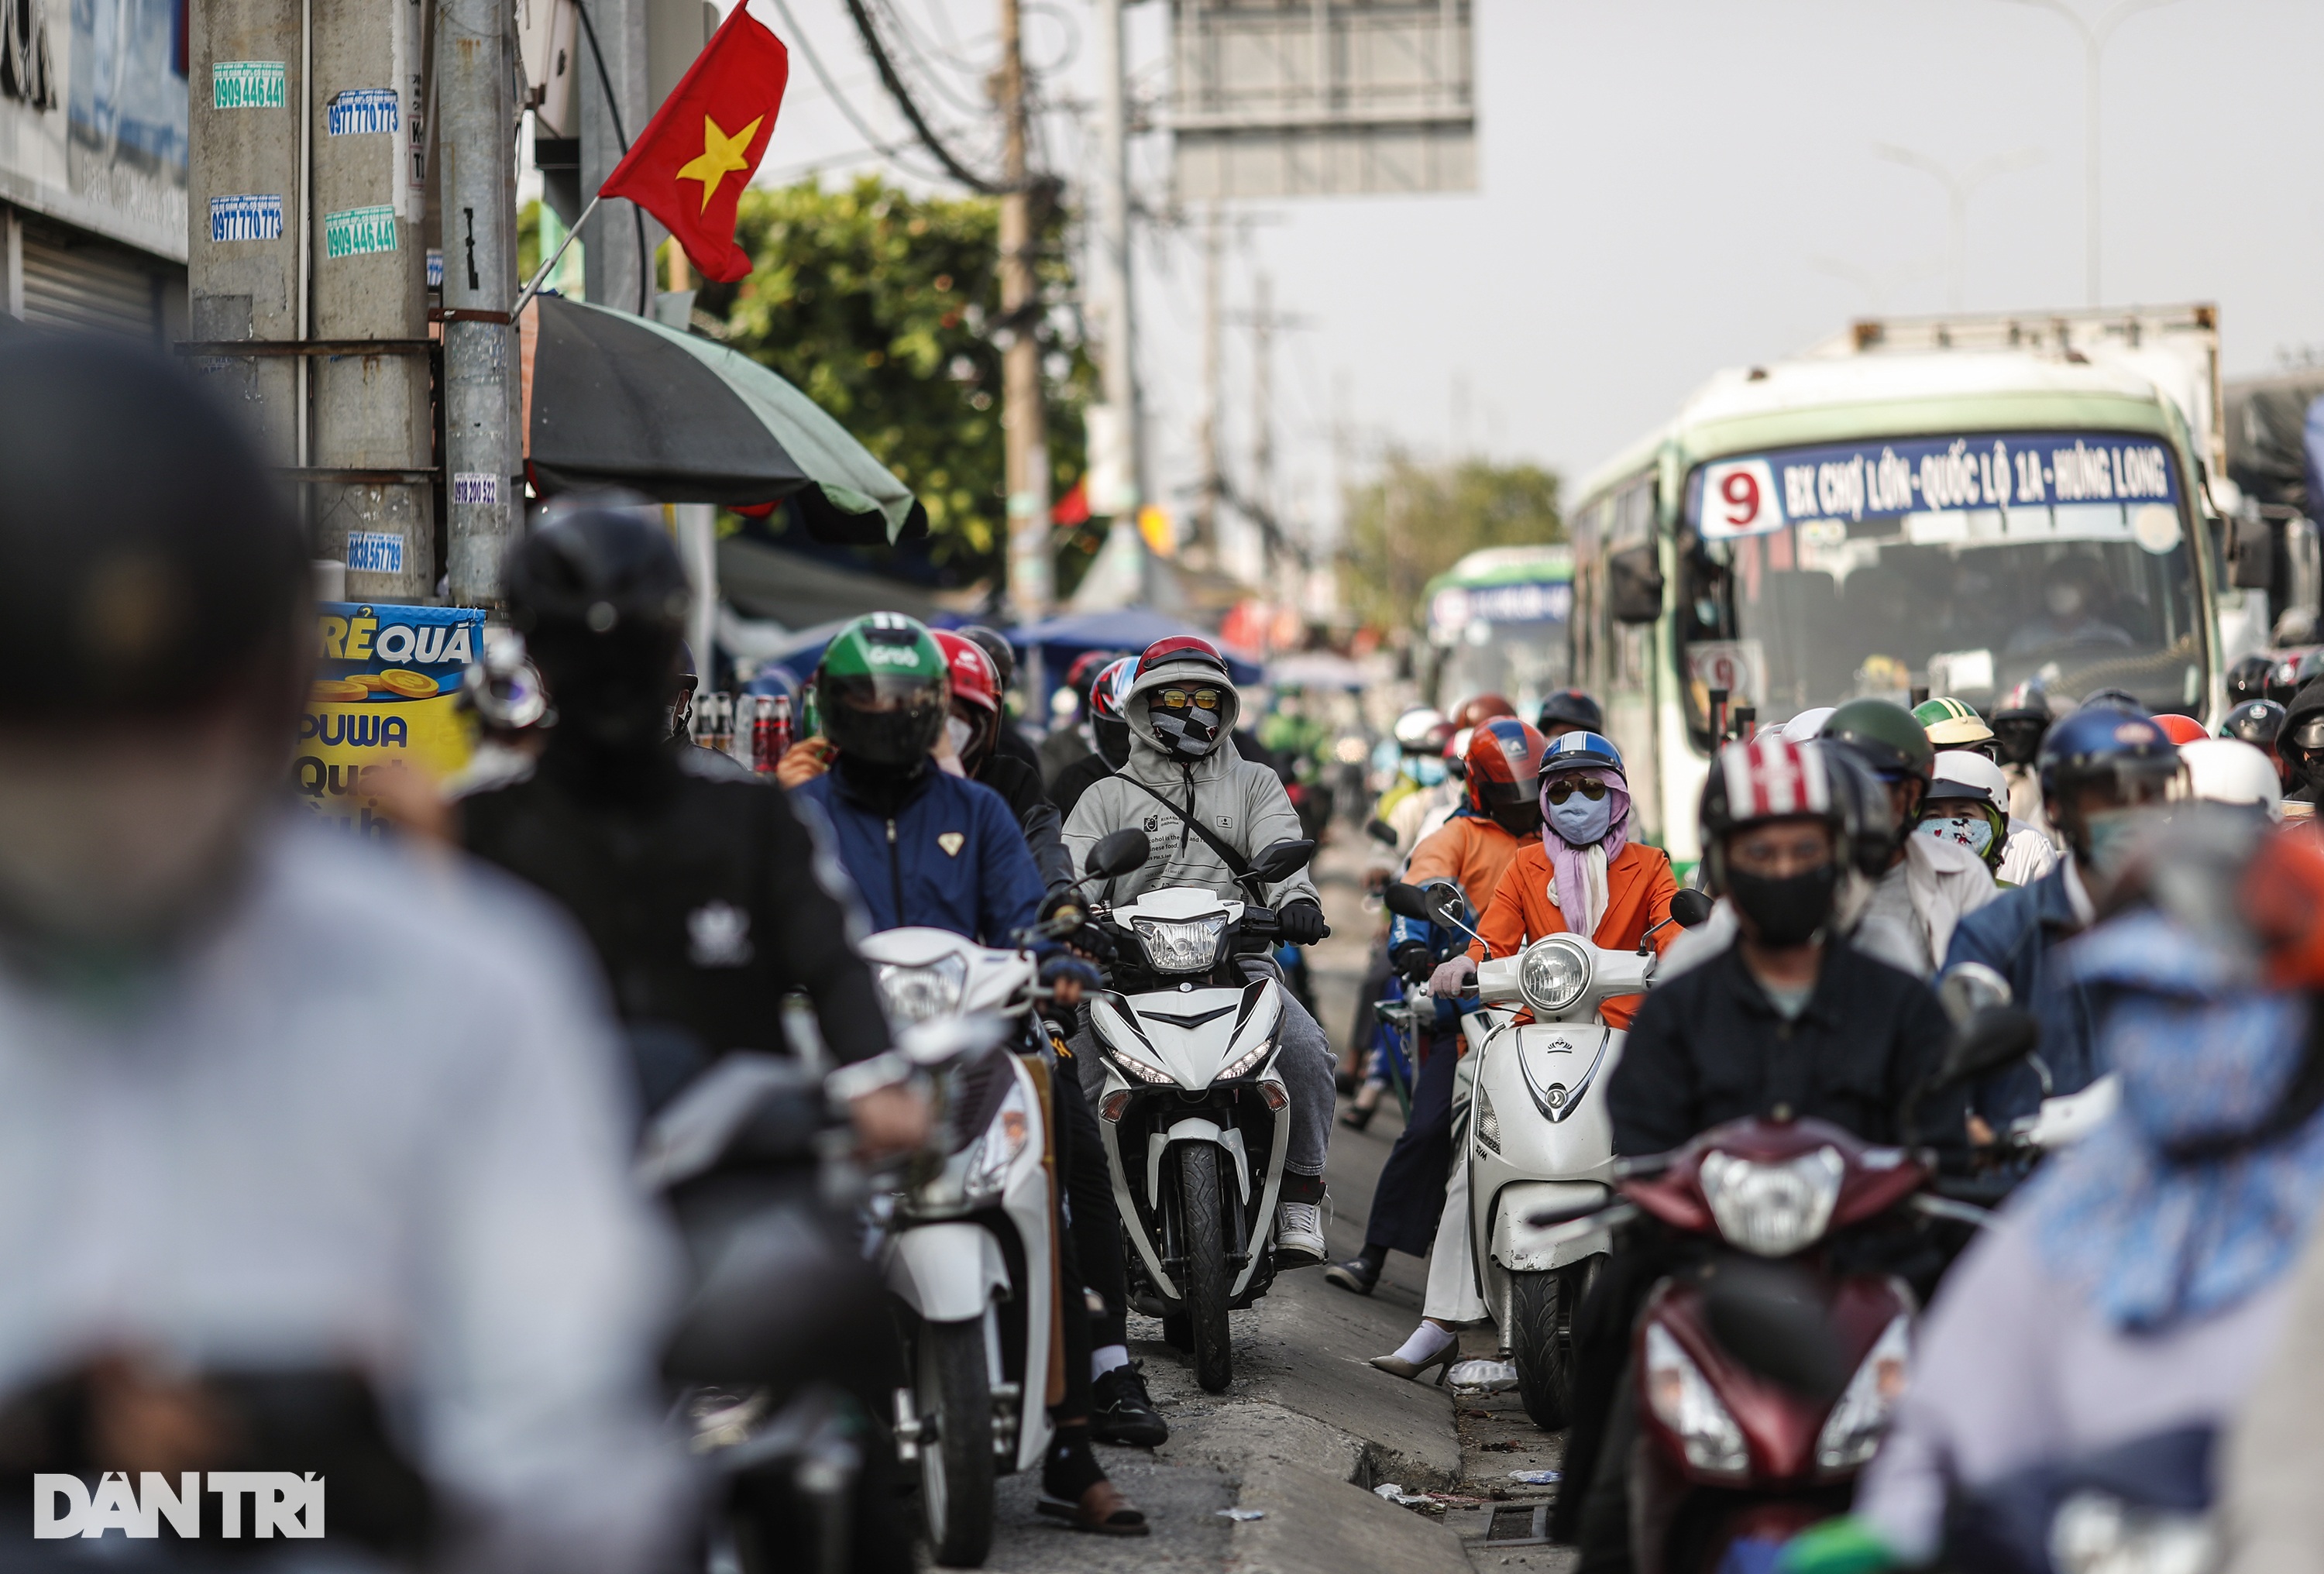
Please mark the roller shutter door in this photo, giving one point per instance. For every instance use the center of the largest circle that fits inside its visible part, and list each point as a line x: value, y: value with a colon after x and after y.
x: 77, y: 282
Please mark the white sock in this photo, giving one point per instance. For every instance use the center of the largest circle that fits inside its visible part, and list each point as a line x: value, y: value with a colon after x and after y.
x: 1426, y: 1343
x: 1106, y: 1358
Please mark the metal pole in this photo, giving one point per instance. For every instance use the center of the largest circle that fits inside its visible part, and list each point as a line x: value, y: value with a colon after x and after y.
x: 1206, y: 504
x: 540, y: 276
x: 1262, y: 427
x: 2095, y: 49
x: 1112, y: 280
x: 476, y: 150
x: 1032, y: 575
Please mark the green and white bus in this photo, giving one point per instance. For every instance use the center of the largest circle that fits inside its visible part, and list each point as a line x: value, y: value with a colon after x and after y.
x: 1497, y: 624
x: 1876, y: 520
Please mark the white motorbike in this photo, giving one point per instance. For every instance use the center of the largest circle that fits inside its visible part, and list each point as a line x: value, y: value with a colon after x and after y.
x: 969, y: 1250
x: 1538, y: 1136
x: 1191, y: 1112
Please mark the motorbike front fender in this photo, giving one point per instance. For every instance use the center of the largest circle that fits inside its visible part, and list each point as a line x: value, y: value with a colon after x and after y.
x: 949, y: 1271
x: 1513, y: 1242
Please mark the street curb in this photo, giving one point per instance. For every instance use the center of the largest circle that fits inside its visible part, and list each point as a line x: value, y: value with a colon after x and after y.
x: 1315, y: 1525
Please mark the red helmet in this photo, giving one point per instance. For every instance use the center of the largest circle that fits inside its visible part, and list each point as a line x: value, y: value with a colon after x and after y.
x: 2180, y: 728
x: 1503, y: 757
x: 1112, y: 683
x: 1185, y: 647
x: 1086, y: 669
x: 1483, y: 707
x: 973, y: 676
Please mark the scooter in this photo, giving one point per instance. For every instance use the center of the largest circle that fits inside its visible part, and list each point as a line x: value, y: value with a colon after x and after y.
x: 968, y: 1256
x: 1538, y: 1136
x: 1191, y: 1110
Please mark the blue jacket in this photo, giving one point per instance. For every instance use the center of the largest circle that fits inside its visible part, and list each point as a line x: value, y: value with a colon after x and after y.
x: 2016, y: 934
x: 950, y: 857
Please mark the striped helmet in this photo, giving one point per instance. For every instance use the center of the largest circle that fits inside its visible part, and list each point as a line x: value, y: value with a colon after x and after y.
x: 1951, y: 724
x: 1775, y: 779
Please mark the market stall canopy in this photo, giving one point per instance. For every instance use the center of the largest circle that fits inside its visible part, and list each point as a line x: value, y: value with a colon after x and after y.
x: 1131, y: 629
x: 613, y: 400
x: 1316, y: 670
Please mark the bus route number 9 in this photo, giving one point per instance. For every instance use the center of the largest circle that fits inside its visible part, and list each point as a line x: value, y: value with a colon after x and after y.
x: 1740, y: 499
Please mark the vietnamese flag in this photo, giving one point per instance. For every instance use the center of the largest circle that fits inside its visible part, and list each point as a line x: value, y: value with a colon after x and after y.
x: 690, y: 164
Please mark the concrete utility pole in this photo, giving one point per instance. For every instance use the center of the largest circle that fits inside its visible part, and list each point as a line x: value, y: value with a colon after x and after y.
x: 616, y: 274
x: 1206, y: 444
x: 1110, y: 276
x: 372, y: 422
x: 476, y: 158
x: 1262, y: 424
x: 1032, y: 573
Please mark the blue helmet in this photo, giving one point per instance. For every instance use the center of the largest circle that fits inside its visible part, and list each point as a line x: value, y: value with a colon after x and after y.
x: 1579, y: 752
x: 2103, y: 746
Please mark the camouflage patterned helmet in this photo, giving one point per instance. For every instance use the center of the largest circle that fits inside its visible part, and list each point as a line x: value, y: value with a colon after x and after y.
x: 881, y: 690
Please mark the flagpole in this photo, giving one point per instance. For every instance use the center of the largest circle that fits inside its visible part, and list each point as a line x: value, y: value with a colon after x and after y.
x: 541, y: 278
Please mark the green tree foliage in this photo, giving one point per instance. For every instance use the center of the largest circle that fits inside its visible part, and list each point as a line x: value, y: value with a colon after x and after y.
x: 1413, y: 522
x: 882, y: 307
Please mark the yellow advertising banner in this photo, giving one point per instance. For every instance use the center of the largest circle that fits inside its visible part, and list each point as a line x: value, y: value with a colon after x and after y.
x: 384, y: 698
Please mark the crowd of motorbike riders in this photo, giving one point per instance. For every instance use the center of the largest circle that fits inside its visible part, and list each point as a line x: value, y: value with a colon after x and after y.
x: 327, y: 1153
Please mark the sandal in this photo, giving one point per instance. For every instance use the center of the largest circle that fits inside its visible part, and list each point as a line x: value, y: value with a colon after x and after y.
x: 1102, y: 1511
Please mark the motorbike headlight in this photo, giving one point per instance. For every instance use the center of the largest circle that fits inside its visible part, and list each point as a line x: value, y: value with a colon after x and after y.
x: 2095, y: 1533
x: 1852, y: 1433
x: 985, y: 1174
x: 1180, y: 945
x: 1243, y: 1065
x: 1552, y: 975
x: 1772, y: 1209
x: 1683, y: 1402
x: 914, y: 993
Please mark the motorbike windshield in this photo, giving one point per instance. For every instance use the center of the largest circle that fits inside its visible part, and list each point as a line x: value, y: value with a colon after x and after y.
x: 1965, y: 565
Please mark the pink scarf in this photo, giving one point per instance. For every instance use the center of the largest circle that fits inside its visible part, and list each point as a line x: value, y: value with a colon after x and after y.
x: 1580, y: 896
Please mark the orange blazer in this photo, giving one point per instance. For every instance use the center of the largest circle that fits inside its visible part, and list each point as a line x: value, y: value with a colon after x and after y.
x: 1472, y: 853
x: 1639, y: 885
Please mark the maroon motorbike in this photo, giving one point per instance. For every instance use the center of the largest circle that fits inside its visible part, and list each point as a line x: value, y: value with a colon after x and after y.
x: 1768, y: 1360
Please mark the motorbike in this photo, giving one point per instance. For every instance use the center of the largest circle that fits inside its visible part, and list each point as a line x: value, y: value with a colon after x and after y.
x: 969, y: 1253
x: 1191, y: 1110
x: 1538, y: 1133
x: 773, y: 1356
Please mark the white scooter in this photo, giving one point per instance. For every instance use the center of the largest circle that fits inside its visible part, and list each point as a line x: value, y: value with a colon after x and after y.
x: 970, y: 1249
x: 1191, y: 1112
x: 1538, y: 1135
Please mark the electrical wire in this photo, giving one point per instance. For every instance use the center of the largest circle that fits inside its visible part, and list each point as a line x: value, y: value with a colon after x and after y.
x: 903, y: 98
x: 878, y: 143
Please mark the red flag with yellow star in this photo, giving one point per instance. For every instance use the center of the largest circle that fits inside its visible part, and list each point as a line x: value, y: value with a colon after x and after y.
x: 690, y: 164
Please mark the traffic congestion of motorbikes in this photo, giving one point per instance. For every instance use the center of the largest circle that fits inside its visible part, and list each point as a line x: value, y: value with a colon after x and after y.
x: 654, y: 1155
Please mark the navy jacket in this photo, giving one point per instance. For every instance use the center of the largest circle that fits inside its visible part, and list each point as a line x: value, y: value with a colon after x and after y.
x: 2016, y: 934
x: 950, y: 857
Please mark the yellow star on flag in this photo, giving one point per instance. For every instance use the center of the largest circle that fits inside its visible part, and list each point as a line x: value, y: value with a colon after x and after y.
x: 720, y: 153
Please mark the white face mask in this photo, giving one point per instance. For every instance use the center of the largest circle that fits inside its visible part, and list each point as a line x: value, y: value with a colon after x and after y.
x: 1974, y: 832
x: 959, y: 735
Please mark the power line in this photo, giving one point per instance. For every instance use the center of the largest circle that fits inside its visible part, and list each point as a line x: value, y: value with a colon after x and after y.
x: 878, y: 143
x: 903, y: 98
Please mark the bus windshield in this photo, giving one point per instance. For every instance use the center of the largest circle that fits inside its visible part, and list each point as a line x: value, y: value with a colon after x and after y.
x: 1964, y: 565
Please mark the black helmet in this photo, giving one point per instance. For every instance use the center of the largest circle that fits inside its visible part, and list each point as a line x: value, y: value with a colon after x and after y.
x: 2113, y: 699
x: 2247, y: 679
x: 1570, y: 707
x: 1884, y: 737
x: 2256, y: 722
x: 148, y: 565
x: 601, y: 599
x: 995, y: 644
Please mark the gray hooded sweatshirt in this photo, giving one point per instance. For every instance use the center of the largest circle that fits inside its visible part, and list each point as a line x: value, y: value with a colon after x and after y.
x: 1241, y: 801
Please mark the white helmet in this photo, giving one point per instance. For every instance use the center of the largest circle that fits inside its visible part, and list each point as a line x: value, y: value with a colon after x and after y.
x: 1973, y: 770
x: 1413, y: 728
x: 1808, y: 725
x: 2228, y: 770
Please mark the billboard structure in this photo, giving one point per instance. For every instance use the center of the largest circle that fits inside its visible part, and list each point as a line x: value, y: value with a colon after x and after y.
x: 1322, y: 98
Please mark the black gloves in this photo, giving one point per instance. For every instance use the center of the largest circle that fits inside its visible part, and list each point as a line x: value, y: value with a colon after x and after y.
x: 1301, y: 921
x: 1411, y: 962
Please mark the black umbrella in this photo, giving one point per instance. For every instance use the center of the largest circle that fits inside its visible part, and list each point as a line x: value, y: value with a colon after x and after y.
x: 612, y: 400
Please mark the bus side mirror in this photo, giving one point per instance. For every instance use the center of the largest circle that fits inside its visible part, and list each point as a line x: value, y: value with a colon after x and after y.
x: 1634, y: 585
x: 2251, y: 554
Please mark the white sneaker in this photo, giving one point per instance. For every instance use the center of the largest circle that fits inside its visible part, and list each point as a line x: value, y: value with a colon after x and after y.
x: 1298, y: 1235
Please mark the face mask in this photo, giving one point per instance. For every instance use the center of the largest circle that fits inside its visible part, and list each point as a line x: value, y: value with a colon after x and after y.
x: 1112, y: 740
x: 2064, y: 601
x: 1581, y: 823
x: 2109, y: 835
x: 1188, y: 734
x: 960, y: 735
x: 1973, y: 831
x: 2311, y: 770
x: 1428, y: 771
x: 1519, y: 820
x: 1786, y: 911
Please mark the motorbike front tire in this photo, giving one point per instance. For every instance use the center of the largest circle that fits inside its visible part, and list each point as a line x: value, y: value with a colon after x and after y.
x: 1207, y: 1266
x: 953, y: 1388
x: 1541, y: 1343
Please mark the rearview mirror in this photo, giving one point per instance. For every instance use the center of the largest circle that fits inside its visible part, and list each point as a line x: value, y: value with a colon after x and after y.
x: 1277, y: 862
x: 1689, y: 910
x: 1634, y: 585
x: 1995, y: 1037
x: 1381, y: 832
x: 1970, y: 988
x: 1116, y: 854
x: 1408, y: 902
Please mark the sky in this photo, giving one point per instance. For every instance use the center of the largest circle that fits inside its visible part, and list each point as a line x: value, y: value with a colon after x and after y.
x: 1669, y: 187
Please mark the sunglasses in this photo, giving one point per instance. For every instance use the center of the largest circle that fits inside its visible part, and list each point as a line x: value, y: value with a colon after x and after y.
x: 1178, y: 699
x: 1565, y: 786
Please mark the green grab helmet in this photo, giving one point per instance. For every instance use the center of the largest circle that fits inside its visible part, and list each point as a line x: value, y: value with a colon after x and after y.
x: 1884, y: 736
x: 880, y: 690
x: 1951, y: 724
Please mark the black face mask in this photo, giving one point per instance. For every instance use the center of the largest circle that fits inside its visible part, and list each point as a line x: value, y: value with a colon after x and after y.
x: 1786, y: 911
x: 1188, y: 734
x: 1519, y: 820
x: 1112, y: 740
x: 2311, y: 767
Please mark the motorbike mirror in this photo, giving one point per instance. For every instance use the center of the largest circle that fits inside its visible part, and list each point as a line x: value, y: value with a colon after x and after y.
x: 1381, y: 832
x: 1116, y: 854
x: 1690, y: 908
x: 1970, y: 988
x: 1996, y: 1037
x: 1281, y: 861
x: 941, y: 1040
x: 1408, y: 902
